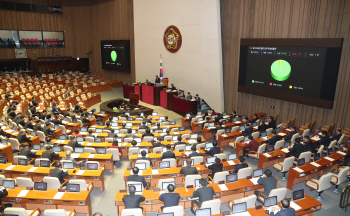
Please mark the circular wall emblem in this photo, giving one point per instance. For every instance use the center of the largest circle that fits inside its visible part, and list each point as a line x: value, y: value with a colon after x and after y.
x: 172, y: 39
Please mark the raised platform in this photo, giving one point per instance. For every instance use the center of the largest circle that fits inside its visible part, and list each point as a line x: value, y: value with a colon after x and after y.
x: 108, y: 108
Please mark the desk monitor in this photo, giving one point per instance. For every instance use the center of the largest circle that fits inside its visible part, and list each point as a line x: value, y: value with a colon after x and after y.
x: 232, y: 156
x: 80, y: 139
x: 128, y: 125
x: 73, y: 187
x: 114, y: 124
x: 65, y: 119
x: 181, y: 128
x: 92, y: 166
x: 103, y: 112
x: 185, y: 164
x: 166, y: 214
x: 243, y: 116
x: 116, y: 131
x: 115, y: 118
x: 141, y: 166
x: 36, y: 147
x: 98, y: 139
x: 57, y: 149
x: 286, y: 144
x: 74, y: 120
x: 165, y: 184
x: 137, y: 186
x: 68, y: 165
x: 263, y: 134
x: 174, y: 138
x: 257, y: 173
x: 23, y: 162
x: 196, y: 183
x: 3, y: 160
x: 317, y: 156
x: 311, y: 134
x: 172, y: 123
x: 301, y: 162
x: 227, y: 130
x: 234, y: 120
x: 32, y: 133
x: 341, y: 146
x: 142, y: 114
x: 100, y: 150
x: 164, y: 165
x: 329, y: 151
x: 188, y: 148
x: 203, y: 212
x: 213, y: 117
x: 8, y: 184
x: 299, y: 194
x: 224, y: 122
x: 200, y: 119
x: 133, y: 131
x: 154, y: 114
x: 138, y: 139
x: 289, y: 125
x: 164, y: 130
x: 130, y: 119
x: 90, y: 116
x: 194, y: 136
x: 98, y: 130
x: 209, y: 145
x: 242, y: 127
x: 45, y: 163
x: 270, y: 201
x: 255, y: 124
x: 4, y: 141
x: 246, y: 138
x: 40, y: 186
x: 239, y: 207
x: 62, y: 137
x: 278, y: 130
x: 100, y: 123
x: 270, y: 148
x: 56, y: 127
x: 211, y: 160
x: 84, y: 129
x: 188, y: 115
x: 161, y: 118
x: 199, y: 113
x: 120, y: 140
x: 212, y: 124
x: 231, y: 178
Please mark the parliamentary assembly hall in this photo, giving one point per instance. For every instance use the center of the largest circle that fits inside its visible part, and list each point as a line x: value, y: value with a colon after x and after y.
x: 174, y: 107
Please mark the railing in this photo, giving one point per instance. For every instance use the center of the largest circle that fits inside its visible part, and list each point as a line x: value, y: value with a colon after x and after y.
x: 345, y: 198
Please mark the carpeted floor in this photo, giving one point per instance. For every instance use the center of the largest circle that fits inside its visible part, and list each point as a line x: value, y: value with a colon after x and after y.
x: 104, y: 202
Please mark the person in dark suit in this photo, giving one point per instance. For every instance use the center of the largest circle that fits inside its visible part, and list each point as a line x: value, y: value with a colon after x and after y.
x: 325, y: 140
x: 240, y: 165
x: 308, y: 145
x: 54, y: 109
x: 262, y: 127
x: 272, y: 123
x: 181, y: 95
x: 143, y: 125
x: 132, y: 200
x: 22, y: 137
x: 48, y: 129
x: 73, y: 143
x: 204, y: 193
x: 148, y: 133
x: 143, y: 157
x: 49, y: 154
x: 12, y: 114
x: 136, y: 177
x: 157, y: 143
x: 215, y: 150
x: 57, y: 120
x: 290, y: 135
x: 220, y: 127
x: 42, y: 116
x: 274, y: 138
x: 157, y: 80
x: 268, y: 181
x: 18, y: 116
x: 58, y: 172
x: 255, y: 118
x: 189, y: 96
x: 25, y: 151
x: 188, y: 169
x: 172, y: 87
x: 234, y: 114
x: 29, y: 124
x: 198, y: 99
x: 77, y: 107
x: 168, y: 153
x: 129, y: 134
x: 285, y: 211
x: 169, y: 198
x: 347, y: 160
x: 297, y: 148
x: 37, y: 126
x: 179, y: 141
x: 248, y: 130
x: 216, y: 167
x: 20, y: 121
x: 65, y: 114
x: 246, y: 121
x: 337, y: 135
x: 218, y: 117
x: 35, y: 103
x: 194, y: 152
x: 3, y: 193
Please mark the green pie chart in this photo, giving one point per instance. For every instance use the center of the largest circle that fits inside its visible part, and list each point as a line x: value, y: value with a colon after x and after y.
x: 114, y: 56
x: 280, y: 70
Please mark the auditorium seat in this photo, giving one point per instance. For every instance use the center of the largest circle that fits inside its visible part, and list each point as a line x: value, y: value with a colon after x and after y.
x: 52, y: 182
x: 244, y: 172
x: 82, y: 184
x: 190, y: 179
x: 59, y: 212
x: 219, y: 176
x: 284, y: 166
x: 250, y: 200
x: 256, y: 155
x: 176, y: 210
x: 133, y: 211
x: 339, y: 178
x: 22, y: 212
x: 320, y: 184
x: 214, y: 205
x: 24, y: 182
x: 279, y: 192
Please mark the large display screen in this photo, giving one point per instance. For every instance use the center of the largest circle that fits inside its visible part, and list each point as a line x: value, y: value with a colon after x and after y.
x: 115, y: 55
x: 297, y: 70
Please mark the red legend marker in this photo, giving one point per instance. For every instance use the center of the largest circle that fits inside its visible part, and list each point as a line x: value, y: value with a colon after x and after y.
x: 270, y: 83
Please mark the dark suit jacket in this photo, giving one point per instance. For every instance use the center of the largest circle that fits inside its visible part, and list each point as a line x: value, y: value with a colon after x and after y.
x: 2, y: 194
x: 170, y: 199
x: 148, y: 134
x: 49, y: 155
x: 255, y: 119
x: 138, y: 178
x: 20, y: 122
x: 168, y: 154
x: 142, y: 127
x: 273, y: 140
x: 248, y: 131
x: 27, y: 152
x: 204, y: 194
x: 309, y: 146
x: 272, y: 124
x: 22, y: 138
x: 188, y: 171
x: 16, y: 118
x: 157, y: 80
x: 194, y: 154
x: 58, y: 173
x: 133, y: 201
x: 146, y: 158
x: 173, y: 88
x: 37, y: 127
x: 240, y: 166
x: 42, y: 116
x: 179, y: 143
x: 337, y: 136
x: 28, y: 125
x: 47, y: 131
x: 73, y: 144
x: 12, y: 114
x: 213, y: 151
x: 56, y: 121
x: 284, y: 212
x: 156, y: 144
x: 215, y: 168
x: 325, y: 141
x: 269, y: 184
x: 290, y: 135
x: 297, y: 150
x: 262, y: 128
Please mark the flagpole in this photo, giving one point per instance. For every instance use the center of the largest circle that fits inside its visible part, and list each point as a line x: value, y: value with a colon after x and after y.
x: 161, y: 69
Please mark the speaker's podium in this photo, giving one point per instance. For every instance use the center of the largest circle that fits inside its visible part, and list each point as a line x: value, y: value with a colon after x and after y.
x: 134, y: 99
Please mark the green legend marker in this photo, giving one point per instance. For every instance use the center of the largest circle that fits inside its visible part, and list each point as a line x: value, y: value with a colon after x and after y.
x: 114, y: 56
x: 280, y: 70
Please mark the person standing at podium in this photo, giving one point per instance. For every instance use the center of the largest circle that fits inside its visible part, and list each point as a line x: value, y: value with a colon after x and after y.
x: 157, y: 80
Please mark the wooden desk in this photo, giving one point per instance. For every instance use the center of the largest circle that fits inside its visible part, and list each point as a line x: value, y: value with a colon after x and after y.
x: 312, y: 171
x: 94, y: 176
x: 276, y: 156
x: 225, y: 139
x: 240, y: 147
x: 43, y: 200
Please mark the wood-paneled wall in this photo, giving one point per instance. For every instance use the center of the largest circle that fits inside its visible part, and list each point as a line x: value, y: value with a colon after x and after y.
x: 85, y: 22
x: 285, y: 19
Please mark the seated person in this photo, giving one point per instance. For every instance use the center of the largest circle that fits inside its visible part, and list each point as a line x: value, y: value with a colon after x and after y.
x: 27, y: 152
x: 194, y: 152
x: 308, y: 145
x: 68, y: 157
x: 48, y: 129
x: 248, y: 130
x: 268, y: 181
x: 337, y: 135
x: 73, y: 142
x: 172, y: 87
x: 188, y: 169
x: 148, y: 133
x: 272, y: 123
x: 168, y: 153
x: 77, y: 133
x: 37, y: 126
x: 189, y: 96
x: 169, y: 198
x: 273, y: 139
x: 204, y: 193
x: 179, y: 141
x: 240, y: 165
x: 262, y: 127
x: 22, y: 137
x: 253, y: 146
x: 132, y: 200
x: 49, y: 154
x: 143, y: 157
x: 136, y: 177
x: 108, y: 124
x: 297, y: 148
x: 285, y: 210
x: 325, y: 140
x: 157, y: 143
x: 255, y: 118
x: 216, y: 167
x: 290, y: 135
x: 215, y: 149
x: 58, y: 173
x: 115, y: 145
x: 181, y: 95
